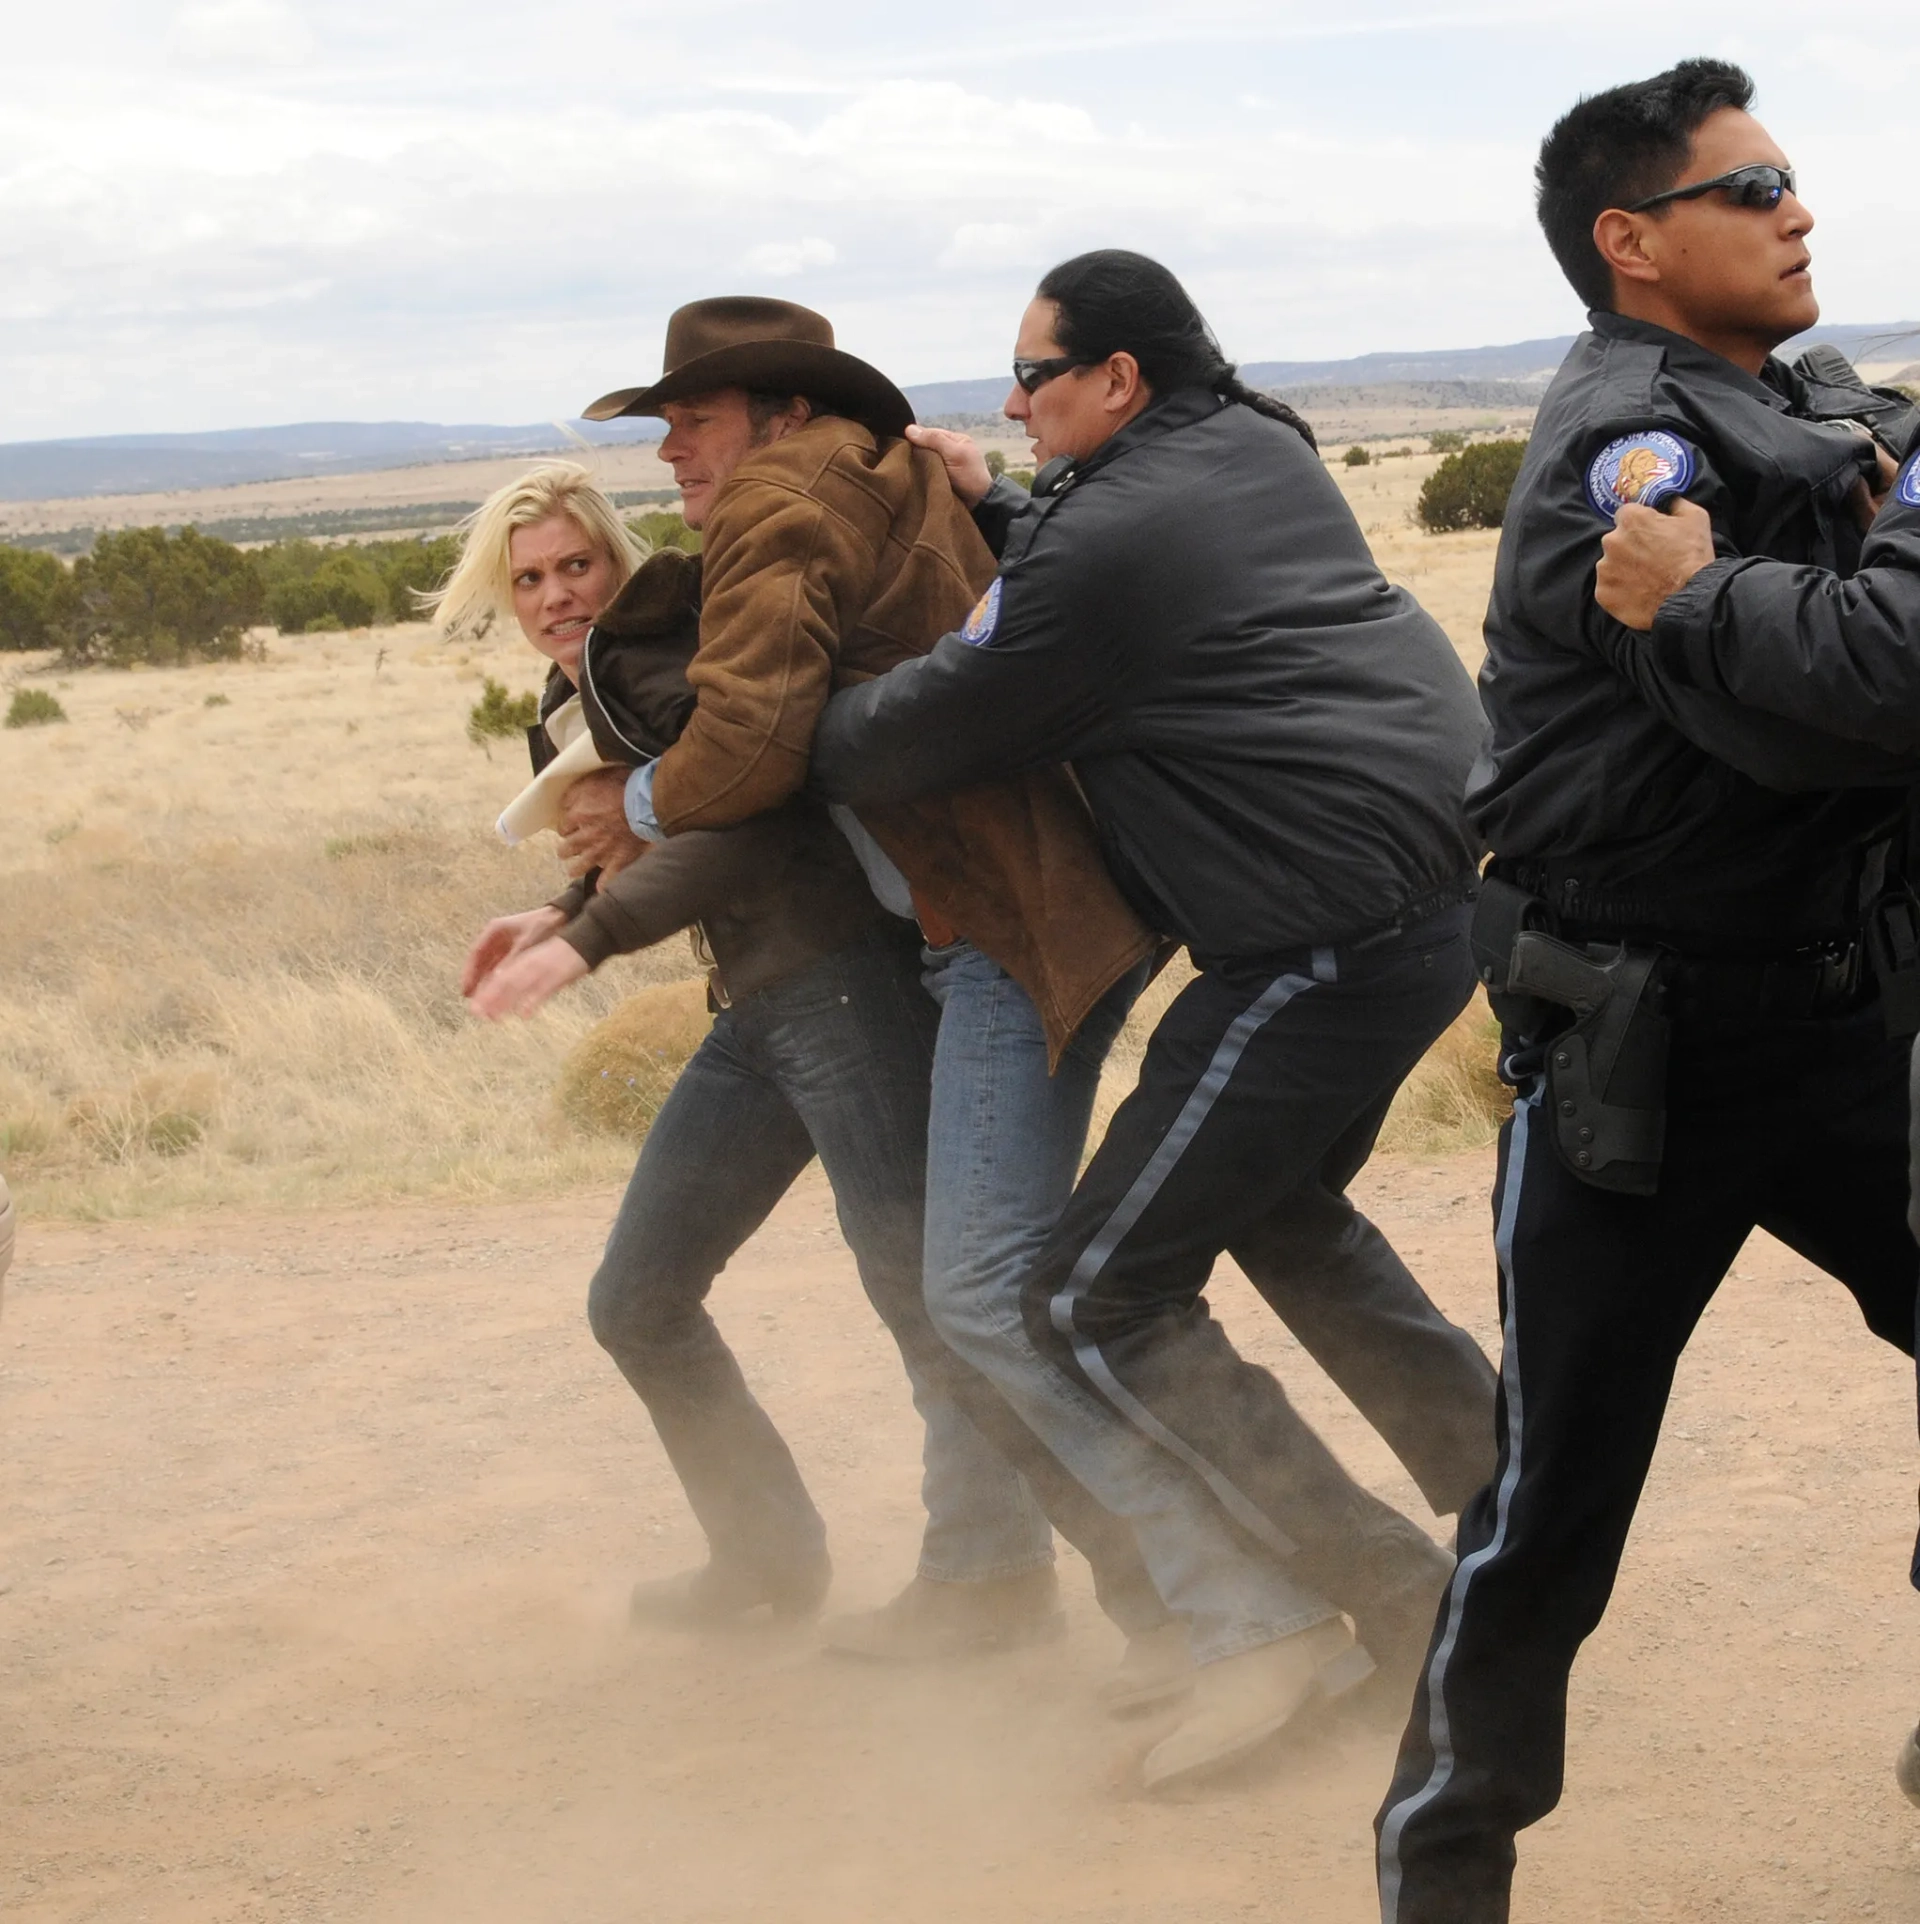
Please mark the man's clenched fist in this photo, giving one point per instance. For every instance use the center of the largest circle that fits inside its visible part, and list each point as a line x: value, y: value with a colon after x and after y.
x: 1647, y: 557
x: 593, y: 824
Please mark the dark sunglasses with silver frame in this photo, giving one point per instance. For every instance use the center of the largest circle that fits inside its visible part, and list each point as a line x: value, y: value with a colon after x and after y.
x: 1031, y: 375
x: 1759, y: 186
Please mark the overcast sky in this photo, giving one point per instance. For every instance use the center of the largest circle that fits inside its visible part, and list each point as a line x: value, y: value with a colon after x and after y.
x: 235, y: 212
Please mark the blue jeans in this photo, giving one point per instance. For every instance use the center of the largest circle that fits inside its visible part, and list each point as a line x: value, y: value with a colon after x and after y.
x: 1004, y: 1147
x: 832, y: 1061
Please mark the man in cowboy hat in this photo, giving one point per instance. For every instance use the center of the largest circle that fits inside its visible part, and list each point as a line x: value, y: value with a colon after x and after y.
x: 827, y: 537
x: 834, y: 550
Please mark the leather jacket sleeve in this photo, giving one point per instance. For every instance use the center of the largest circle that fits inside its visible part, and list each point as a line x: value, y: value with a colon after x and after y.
x: 781, y: 578
x: 673, y: 885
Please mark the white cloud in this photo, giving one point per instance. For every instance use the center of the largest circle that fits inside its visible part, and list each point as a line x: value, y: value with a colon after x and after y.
x: 221, y: 214
x: 242, y: 33
x: 781, y: 258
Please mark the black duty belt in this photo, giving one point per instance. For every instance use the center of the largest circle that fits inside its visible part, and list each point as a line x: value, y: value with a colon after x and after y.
x: 1809, y: 983
x: 1770, y: 989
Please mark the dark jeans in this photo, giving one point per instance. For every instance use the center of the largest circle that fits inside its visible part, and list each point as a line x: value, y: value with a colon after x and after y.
x: 1259, y: 1097
x: 834, y: 1061
x: 1796, y: 1128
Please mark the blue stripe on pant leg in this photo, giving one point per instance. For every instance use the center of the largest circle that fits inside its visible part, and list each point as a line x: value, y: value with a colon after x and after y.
x: 1439, y: 1722
x: 1145, y: 1186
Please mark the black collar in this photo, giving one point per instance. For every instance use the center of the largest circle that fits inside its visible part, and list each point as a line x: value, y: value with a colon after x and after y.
x: 1776, y: 386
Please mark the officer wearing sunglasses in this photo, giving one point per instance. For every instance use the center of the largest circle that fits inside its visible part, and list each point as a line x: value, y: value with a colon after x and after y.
x: 1695, y: 793
x: 1272, y: 739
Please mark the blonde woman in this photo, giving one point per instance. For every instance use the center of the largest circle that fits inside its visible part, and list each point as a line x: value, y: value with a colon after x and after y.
x: 551, y: 550
x: 821, y: 1045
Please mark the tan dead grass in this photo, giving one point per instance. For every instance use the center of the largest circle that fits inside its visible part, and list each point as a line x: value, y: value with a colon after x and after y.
x: 230, y: 933
x: 619, y: 1073
x: 230, y: 940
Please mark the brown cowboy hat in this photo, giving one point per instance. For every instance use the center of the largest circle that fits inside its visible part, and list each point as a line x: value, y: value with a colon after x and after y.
x: 776, y: 347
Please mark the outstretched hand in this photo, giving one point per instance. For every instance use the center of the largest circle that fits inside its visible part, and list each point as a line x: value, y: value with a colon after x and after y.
x: 504, y: 936
x: 1648, y: 556
x: 960, y: 455
x: 522, y: 983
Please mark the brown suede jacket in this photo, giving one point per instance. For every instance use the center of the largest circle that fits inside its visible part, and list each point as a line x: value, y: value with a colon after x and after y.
x: 830, y: 558
x: 770, y: 897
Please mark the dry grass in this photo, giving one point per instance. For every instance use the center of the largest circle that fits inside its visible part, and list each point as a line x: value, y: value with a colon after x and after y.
x: 278, y: 1025
x: 233, y: 901
x: 230, y: 939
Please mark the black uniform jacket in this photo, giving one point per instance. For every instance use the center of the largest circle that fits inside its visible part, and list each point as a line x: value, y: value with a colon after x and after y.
x: 1273, y: 739
x: 1715, y: 784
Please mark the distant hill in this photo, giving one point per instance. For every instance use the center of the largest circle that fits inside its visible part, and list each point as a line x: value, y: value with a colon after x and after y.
x: 152, y: 463
x: 1523, y: 364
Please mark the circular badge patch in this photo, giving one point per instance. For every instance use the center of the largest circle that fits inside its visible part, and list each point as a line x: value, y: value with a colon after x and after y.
x: 985, y: 618
x: 1639, y: 470
x: 1907, y: 488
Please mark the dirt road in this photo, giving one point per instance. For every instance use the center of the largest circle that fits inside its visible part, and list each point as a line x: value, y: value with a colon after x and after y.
x: 315, y: 1534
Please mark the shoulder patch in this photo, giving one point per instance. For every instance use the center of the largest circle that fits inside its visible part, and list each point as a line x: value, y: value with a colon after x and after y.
x: 1640, y: 470
x: 985, y: 618
x: 1907, y: 488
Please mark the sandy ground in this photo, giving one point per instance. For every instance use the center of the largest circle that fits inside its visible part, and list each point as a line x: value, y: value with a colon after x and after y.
x: 315, y: 1534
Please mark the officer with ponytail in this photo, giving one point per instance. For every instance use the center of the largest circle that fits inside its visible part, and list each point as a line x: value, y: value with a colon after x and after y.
x: 1273, y: 741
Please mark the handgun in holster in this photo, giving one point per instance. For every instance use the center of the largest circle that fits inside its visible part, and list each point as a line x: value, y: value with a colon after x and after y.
x: 1606, y: 1070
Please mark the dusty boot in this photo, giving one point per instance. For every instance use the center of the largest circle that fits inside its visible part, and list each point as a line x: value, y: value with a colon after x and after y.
x: 718, y: 1592
x: 1156, y: 1669
x: 929, y: 1621
x: 1239, y: 1702
x: 1907, y: 1769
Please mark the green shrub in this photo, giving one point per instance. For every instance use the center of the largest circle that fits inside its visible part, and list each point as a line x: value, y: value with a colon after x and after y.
x: 145, y: 595
x: 31, y: 707
x: 498, y: 713
x: 308, y: 587
x: 216, y: 701
x: 1021, y: 478
x: 1357, y: 457
x: 411, y: 569
x: 665, y: 528
x: 996, y: 463
x: 1469, y: 489
x: 35, y: 592
x: 1446, y: 440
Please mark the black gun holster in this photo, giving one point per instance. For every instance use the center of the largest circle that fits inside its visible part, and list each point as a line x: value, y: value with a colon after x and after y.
x: 1606, y: 1068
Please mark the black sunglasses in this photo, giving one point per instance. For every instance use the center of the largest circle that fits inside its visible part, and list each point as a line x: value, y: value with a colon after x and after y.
x: 1028, y: 376
x: 1758, y: 186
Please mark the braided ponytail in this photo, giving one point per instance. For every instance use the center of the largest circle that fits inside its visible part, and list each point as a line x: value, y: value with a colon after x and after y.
x: 1232, y: 388
x: 1113, y: 301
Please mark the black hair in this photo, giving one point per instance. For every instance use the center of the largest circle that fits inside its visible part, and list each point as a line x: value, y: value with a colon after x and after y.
x: 1619, y: 147
x: 1116, y: 302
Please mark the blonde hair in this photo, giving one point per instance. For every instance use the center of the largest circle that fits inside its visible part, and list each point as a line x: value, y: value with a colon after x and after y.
x: 479, y: 591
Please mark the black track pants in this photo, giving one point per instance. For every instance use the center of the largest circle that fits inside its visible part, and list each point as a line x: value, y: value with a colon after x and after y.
x: 1260, y: 1096
x: 1796, y: 1128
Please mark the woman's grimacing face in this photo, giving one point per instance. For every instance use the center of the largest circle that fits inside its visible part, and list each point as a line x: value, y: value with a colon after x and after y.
x: 562, y: 580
